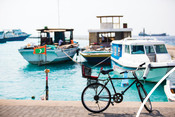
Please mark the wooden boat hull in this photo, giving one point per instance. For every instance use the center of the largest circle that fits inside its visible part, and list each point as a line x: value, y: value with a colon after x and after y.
x: 53, y: 55
x: 97, y: 57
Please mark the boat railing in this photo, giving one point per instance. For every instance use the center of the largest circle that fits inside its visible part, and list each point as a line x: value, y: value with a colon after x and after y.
x: 141, y: 38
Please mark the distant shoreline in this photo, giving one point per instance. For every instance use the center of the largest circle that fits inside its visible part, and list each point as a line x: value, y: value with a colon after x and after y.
x: 81, y: 37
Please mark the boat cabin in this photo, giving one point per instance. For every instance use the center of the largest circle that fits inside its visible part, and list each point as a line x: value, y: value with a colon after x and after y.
x: 110, y: 29
x: 56, y: 36
x: 145, y: 49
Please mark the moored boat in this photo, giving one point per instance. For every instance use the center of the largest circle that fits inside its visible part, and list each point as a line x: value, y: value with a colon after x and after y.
x: 60, y: 47
x: 14, y: 35
x: 169, y: 88
x: 100, y: 39
x: 130, y: 52
x: 2, y: 40
x: 144, y: 34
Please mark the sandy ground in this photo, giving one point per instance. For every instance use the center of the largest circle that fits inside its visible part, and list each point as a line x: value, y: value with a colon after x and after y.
x: 171, y: 51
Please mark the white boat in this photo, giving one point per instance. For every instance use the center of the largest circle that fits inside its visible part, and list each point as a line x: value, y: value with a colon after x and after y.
x: 169, y: 88
x: 60, y: 47
x: 131, y: 52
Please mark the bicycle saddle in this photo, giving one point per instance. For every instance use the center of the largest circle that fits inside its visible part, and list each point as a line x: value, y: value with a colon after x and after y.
x: 106, y: 71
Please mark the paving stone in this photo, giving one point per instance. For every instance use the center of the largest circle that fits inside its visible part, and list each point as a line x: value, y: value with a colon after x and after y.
x: 27, y: 108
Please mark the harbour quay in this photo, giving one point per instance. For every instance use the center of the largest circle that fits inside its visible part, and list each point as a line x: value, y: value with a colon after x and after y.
x: 38, y: 108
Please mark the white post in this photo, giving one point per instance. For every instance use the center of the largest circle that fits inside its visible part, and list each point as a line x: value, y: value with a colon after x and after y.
x: 141, y: 107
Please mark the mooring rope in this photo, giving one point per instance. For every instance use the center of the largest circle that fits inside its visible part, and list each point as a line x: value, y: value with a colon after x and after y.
x: 81, y: 63
x: 70, y: 57
x: 101, y: 62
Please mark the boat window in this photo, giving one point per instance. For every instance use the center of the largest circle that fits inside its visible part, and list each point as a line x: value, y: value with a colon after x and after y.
x: 119, y: 51
x: 105, y: 38
x: 67, y: 37
x: 137, y: 49
x: 127, y: 50
x: 160, y: 49
x: 149, y: 49
x: 115, y: 51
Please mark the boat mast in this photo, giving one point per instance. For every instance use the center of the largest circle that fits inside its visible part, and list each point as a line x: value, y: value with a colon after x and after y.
x: 58, y: 15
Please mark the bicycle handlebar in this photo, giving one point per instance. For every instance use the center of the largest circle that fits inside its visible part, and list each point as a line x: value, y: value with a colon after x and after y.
x: 142, y: 64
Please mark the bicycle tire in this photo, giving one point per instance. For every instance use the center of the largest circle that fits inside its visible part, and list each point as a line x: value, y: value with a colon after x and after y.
x: 142, y: 94
x: 94, y: 103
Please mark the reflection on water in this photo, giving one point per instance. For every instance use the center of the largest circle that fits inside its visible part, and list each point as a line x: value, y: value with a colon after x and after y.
x: 68, y: 65
x: 21, y: 80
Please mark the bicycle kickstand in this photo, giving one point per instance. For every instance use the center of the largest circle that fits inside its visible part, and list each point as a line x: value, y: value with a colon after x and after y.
x: 112, y: 103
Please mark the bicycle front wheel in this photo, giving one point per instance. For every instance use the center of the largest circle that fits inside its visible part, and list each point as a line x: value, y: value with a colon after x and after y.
x: 142, y: 94
x: 96, y: 98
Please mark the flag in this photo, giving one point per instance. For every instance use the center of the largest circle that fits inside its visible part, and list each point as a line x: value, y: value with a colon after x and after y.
x: 40, y: 50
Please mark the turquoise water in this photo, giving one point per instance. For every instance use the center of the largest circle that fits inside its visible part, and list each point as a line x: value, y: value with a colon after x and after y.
x: 21, y: 80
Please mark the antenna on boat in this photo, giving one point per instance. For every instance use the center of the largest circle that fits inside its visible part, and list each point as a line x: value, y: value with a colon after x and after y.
x: 58, y: 14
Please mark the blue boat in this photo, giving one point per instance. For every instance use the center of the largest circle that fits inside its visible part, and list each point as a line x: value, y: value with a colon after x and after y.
x: 14, y: 35
x: 144, y: 34
x: 2, y: 40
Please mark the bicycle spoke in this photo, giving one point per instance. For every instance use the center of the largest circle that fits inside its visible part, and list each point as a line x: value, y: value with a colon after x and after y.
x: 94, y: 102
x: 98, y: 106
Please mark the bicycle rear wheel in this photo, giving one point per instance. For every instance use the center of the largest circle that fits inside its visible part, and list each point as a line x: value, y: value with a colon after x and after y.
x: 142, y: 94
x: 96, y: 98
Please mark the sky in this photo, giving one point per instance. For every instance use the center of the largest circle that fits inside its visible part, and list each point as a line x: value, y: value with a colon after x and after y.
x: 156, y: 16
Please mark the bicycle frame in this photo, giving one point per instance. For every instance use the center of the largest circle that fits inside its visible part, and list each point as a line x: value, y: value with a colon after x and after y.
x: 104, y: 92
x: 122, y: 92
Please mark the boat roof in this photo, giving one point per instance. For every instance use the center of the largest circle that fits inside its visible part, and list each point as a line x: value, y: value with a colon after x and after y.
x: 54, y: 30
x: 138, y: 41
x: 109, y: 16
x: 111, y: 30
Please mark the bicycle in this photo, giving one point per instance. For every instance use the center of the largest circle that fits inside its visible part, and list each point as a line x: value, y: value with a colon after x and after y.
x: 96, y: 97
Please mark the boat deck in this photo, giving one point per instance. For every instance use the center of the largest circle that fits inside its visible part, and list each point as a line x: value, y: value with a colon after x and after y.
x: 34, y: 108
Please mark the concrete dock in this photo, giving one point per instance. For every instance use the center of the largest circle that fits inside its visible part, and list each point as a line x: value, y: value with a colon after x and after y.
x: 37, y: 108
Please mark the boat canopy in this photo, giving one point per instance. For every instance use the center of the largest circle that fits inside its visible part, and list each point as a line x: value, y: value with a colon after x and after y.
x: 54, y: 30
x: 110, y: 21
x: 59, y: 36
x: 110, y: 30
x: 138, y: 41
x: 135, y: 46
